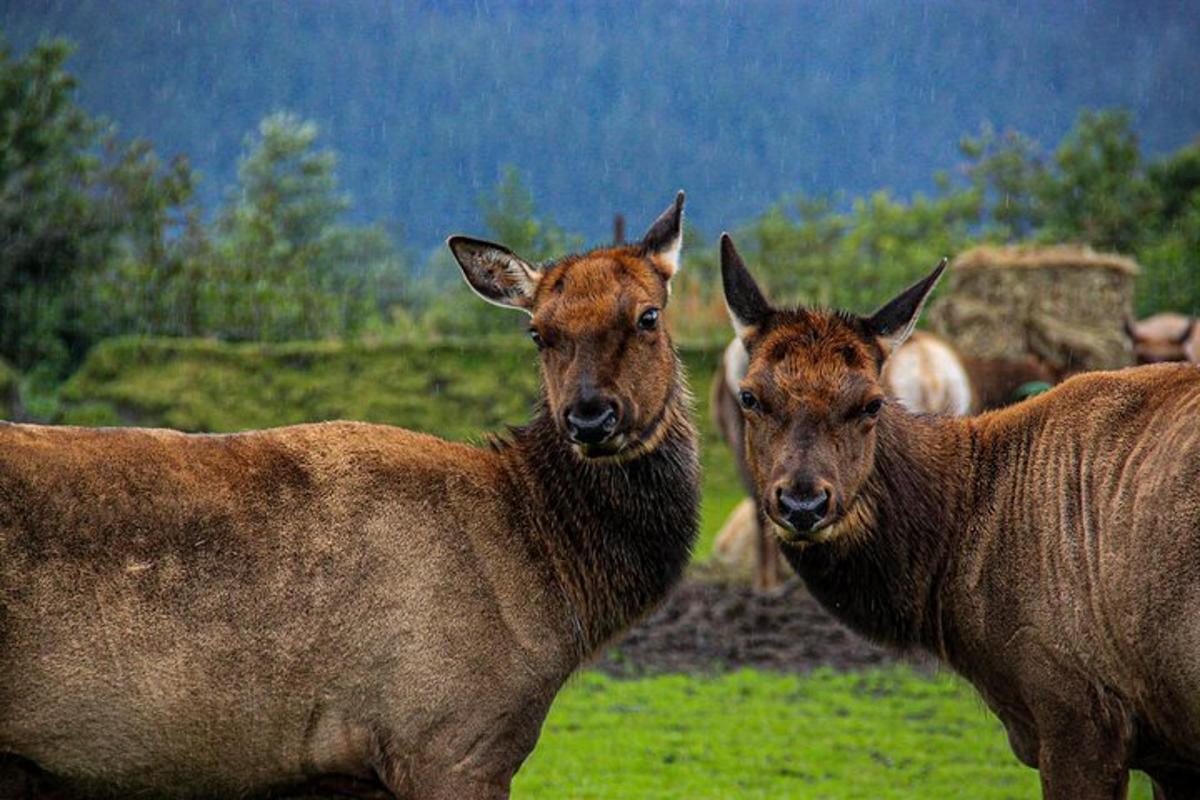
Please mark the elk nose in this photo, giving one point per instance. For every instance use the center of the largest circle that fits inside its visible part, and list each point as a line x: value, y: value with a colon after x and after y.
x: 803, y: 511
x: 592, y: 420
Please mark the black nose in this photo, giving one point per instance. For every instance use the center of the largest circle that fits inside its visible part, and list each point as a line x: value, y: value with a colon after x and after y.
x: 803, y: 512
x: 592, y: 420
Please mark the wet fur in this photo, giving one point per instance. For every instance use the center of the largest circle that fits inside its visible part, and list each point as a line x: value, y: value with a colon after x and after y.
x: 1049, y: 553
x: 331, y: 604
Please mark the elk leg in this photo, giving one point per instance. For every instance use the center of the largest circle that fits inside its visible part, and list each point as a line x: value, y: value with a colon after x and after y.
x: 1085, y: 758
x: 766, y: 553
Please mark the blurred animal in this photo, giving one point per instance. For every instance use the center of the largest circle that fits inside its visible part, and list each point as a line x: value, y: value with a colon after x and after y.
x: 344, y: 606
x: 926, y: 375
x: 1049, y: 553
x: 1000, y: 382
x: 1164, y: 337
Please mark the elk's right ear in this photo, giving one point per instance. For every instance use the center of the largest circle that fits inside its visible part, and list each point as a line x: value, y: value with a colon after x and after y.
x: 894, y: 323
x: 496, y: 273
x: 748, y: 309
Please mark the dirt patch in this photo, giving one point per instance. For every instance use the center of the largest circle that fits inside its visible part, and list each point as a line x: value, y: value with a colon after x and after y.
x: 710, y: 626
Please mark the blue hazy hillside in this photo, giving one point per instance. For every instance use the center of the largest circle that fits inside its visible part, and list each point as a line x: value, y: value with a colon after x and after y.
x: 612, y: 106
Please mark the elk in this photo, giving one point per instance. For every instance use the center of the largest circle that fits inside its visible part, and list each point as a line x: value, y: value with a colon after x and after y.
x: 925, y: 374
x: 1048, y: 552
x: 1164, y: 337
x: 344, y: 605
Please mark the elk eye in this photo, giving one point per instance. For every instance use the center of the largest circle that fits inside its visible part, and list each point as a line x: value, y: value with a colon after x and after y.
x: 872, y: 408
x: 648, y: 321
x: 748, y: 400
x: 537, y: 338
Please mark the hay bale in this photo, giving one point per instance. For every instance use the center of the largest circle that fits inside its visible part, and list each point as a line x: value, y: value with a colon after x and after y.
x: 1064, y: 304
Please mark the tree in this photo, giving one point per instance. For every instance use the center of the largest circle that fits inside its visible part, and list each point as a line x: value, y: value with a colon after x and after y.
x: 74, y: 200
x: 1100, y: 194
x: 1009, y: 174
x: 283, y: 265
x: 512, y: 219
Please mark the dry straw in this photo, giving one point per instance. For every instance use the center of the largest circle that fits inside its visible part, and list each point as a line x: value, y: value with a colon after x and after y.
x: 1063, y: 304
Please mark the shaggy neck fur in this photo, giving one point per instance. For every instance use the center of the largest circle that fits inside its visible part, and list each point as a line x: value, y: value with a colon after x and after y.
x: 618, y: 532
x: 882, y: 572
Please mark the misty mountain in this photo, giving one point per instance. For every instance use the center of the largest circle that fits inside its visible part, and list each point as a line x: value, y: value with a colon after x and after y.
x: 613, y: 106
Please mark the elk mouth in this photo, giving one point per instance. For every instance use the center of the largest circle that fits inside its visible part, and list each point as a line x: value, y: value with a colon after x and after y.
x: 786, y: 532
x: 609, y: 448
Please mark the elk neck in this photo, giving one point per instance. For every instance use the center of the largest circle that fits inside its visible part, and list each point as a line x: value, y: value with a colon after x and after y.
x: 618, y: 533
x: 886, y: 570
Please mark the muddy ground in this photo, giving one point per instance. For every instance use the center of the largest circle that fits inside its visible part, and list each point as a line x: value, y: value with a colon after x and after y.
x: 710, y: 625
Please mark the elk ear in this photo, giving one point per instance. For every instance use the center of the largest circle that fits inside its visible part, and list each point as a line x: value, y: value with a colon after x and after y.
x: 748, y: 309
x: 496, y: 273
x: 664, y: 241
x: 894, y: 323
x: 1187, y: 332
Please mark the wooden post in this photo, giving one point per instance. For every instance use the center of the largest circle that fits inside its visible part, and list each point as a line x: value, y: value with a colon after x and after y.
x: 618, y: 229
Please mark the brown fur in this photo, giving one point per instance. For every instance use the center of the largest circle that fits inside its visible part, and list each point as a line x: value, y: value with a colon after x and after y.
x: 1164, y: 337
x: 1049, y: 553
x: 339, y: 603
x: 936, y: 393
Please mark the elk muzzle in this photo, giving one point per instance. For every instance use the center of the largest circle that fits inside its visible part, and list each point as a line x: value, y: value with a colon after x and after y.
x: 801, y: 508
x: 592, y: 420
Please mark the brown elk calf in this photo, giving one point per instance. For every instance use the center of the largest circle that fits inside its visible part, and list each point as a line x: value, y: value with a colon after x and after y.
x: 925, y: 374
x: 1164, y: 337
x: 1049, y: 553
x: 346, y: 604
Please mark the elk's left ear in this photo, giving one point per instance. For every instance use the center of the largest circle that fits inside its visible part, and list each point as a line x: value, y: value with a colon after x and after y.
x: 496, y: 273
x: 894, y: 323
x: 749, y: 311
x: 663, y: 242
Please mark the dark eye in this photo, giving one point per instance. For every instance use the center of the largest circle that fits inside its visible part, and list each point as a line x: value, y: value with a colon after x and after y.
x: 537, y: 338
x: 648, y: 321
x: 872, y: 408
x: 748, y: 400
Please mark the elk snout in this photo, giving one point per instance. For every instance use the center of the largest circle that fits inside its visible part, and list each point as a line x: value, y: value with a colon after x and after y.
x: 802, y: 507
x: 592, y: 420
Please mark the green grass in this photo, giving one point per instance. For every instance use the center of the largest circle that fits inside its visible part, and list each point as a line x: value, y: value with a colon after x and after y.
x: 882, y: 734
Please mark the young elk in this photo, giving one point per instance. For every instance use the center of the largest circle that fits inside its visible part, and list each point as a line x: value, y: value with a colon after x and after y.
x: 349, y: 605
x: 925, y: 374
x: 1050, y: 552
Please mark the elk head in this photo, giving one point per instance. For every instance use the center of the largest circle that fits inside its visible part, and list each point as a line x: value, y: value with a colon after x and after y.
x: 1153, y: 343
x: 812, y: 397
x: 608, y: 366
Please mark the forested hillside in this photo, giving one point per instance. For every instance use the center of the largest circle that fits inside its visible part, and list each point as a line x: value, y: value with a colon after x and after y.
x: 612, y: 106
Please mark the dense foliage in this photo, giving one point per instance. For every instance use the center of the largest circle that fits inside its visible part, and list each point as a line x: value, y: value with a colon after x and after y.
x: 101, y: 237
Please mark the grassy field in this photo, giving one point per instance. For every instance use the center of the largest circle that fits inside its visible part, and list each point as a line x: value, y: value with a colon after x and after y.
x: 882, y: 734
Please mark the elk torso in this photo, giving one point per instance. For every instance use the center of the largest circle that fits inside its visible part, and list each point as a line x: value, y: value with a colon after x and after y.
x: 1049, y: 552
x: 327, y: 596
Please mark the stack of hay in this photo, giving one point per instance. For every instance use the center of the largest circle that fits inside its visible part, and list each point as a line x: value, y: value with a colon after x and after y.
x: 1064, y: 304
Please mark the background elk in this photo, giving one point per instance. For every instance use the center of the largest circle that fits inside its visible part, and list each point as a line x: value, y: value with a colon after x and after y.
x: 345, y: 604
x: 1049, y: 553
x: 1164, y: 337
